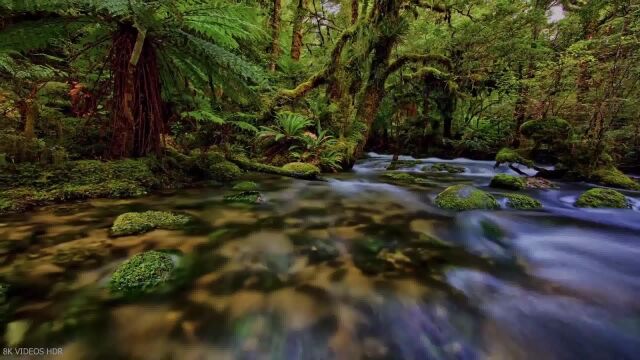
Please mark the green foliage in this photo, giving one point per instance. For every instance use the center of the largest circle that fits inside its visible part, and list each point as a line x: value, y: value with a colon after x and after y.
x: 137, y: 223
x: 504, y: 181
x: 464, y: 197
x: 405, y: 178
x: 602, y: 198
x: 522, y: 202
x: 144, y: 273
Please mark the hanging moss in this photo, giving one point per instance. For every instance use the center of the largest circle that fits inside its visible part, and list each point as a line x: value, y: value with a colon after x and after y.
x: 464, y: 197
x: 138, y: 223
x: 504, y: 181
x: 522, y: 202
x: 602, y: 198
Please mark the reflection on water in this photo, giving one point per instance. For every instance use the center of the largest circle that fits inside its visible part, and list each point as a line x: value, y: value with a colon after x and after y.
x: 351, y: 268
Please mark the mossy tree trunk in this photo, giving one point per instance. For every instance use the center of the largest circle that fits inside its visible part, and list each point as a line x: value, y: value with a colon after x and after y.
x: 296, y: 35
x: 275, y: 34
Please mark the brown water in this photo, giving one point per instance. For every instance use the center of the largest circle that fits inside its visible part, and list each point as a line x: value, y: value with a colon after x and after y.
x: 351, y: 268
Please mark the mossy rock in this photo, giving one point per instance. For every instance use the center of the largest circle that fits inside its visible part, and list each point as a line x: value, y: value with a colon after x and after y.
x: 224, y: 171
x: 246, y: 186
x: 140, y: 222
x: 546, y: 130
x: 615, y: 178
x: 245, y: 197
x: 440, y: 167
x: 405, y: 178
x: 365, y: 256
x: 522, y: 202
x: 511, y: 156
x: 602, y: 198
x: 302, y: 168
x: 399, y: 164
x: 504, y: 181
x: 144, y: 273
x: 464, y: 197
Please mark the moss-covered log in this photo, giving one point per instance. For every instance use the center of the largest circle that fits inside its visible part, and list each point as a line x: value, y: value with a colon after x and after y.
x: 249, y: 165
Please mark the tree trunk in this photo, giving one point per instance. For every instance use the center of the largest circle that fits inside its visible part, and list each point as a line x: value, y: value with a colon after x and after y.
x: 296, y: 36
x: 29, y: 110
x: 354, y: 11
x: 137, y: 114
x: 275, y: 34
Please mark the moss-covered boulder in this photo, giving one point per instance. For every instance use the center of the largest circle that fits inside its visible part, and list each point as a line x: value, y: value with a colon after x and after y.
x: 504, y: 181
x: 245, y: 197
x: 302, y: 168
x: 511, y: 156
x: 615, y: 178
x: 399, y: 164
x: 602, y: 198
x: 144, y: 273
x: 522, y: 202
x: 464, y: 197
x: 224, y: 171
x: 444, y: 167
x: 245, y: 186
x: 546, y: 131
x: 140, y: 222
x: 405, y: 178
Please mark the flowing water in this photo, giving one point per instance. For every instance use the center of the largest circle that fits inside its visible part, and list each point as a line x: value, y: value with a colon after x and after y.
x: 351, y: 268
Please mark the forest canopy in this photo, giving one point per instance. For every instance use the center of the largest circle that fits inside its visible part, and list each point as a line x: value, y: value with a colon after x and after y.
x: 264, y: 83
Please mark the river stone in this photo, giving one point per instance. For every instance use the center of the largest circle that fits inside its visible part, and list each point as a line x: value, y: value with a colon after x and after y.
x: 464, y: 197
x: 133, y: 223
x: 143, y: 273
x: 602, y: 198
x: 504, y: 181
x: 522, y: 202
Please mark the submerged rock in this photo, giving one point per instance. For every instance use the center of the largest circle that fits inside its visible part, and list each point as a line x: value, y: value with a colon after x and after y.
x: 504, y: 181
x: 398, y: 164
x: 302, y: 168
x: 322, y: 250
x: 602, y: 198
x: 451, y: 169
x: 405, y: 178
x: 246, y: 197
x: 522, y: 202
x: 246, y: 186
x: 143, y: 273
x: 140, y: 222
x: 464, y: 197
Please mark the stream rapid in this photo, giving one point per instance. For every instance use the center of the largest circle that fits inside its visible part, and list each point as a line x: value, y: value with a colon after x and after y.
x: 355, y: 267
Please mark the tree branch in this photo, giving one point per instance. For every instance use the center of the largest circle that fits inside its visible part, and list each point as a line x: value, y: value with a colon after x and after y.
x: 416, y: 58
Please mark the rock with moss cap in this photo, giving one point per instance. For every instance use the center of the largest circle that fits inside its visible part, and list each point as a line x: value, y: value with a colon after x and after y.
x: 504, y: 181
x: 405, y: 178
x: 399, y: 164
x: 602, y: 198
x: 464, y: 197
x: 522, y: 202
x: 441, y: 167
x: 615, y: 178
x: 144, y: 273
x: 511, y: 156
x: 224, y: 171
x: 140, y: 222
x: 302, y: 168
x: 245, y: 197
x: 245, y: 186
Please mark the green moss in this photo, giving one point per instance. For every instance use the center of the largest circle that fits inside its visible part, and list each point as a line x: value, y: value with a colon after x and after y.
x: 246, y: 197
x: 615, y: 178
x: 464, y: 197
x: 452, y: 169
x: 399, y: 164
x: 602, y: 198
x: 245, y: 186
x: 141, y: 222
x: 510, y: 156
x: 143, y: 273
x: 224, y: 171
x: 522, y: 202
x: 405, y: 178
x: 504, y: 181
x: 302, y: 168
x: 546, y: 130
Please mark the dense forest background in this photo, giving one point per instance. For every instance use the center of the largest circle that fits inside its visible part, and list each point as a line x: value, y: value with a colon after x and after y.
x: 321, y: 82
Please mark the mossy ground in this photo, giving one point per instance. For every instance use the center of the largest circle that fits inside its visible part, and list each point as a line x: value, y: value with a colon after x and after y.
x: 464, y: 197
x: 138, y: 223
x: 143, y: 273
x: 522, y: 202
x: 302, y: 168
x: 504, y: 181
x: 602, y: 198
